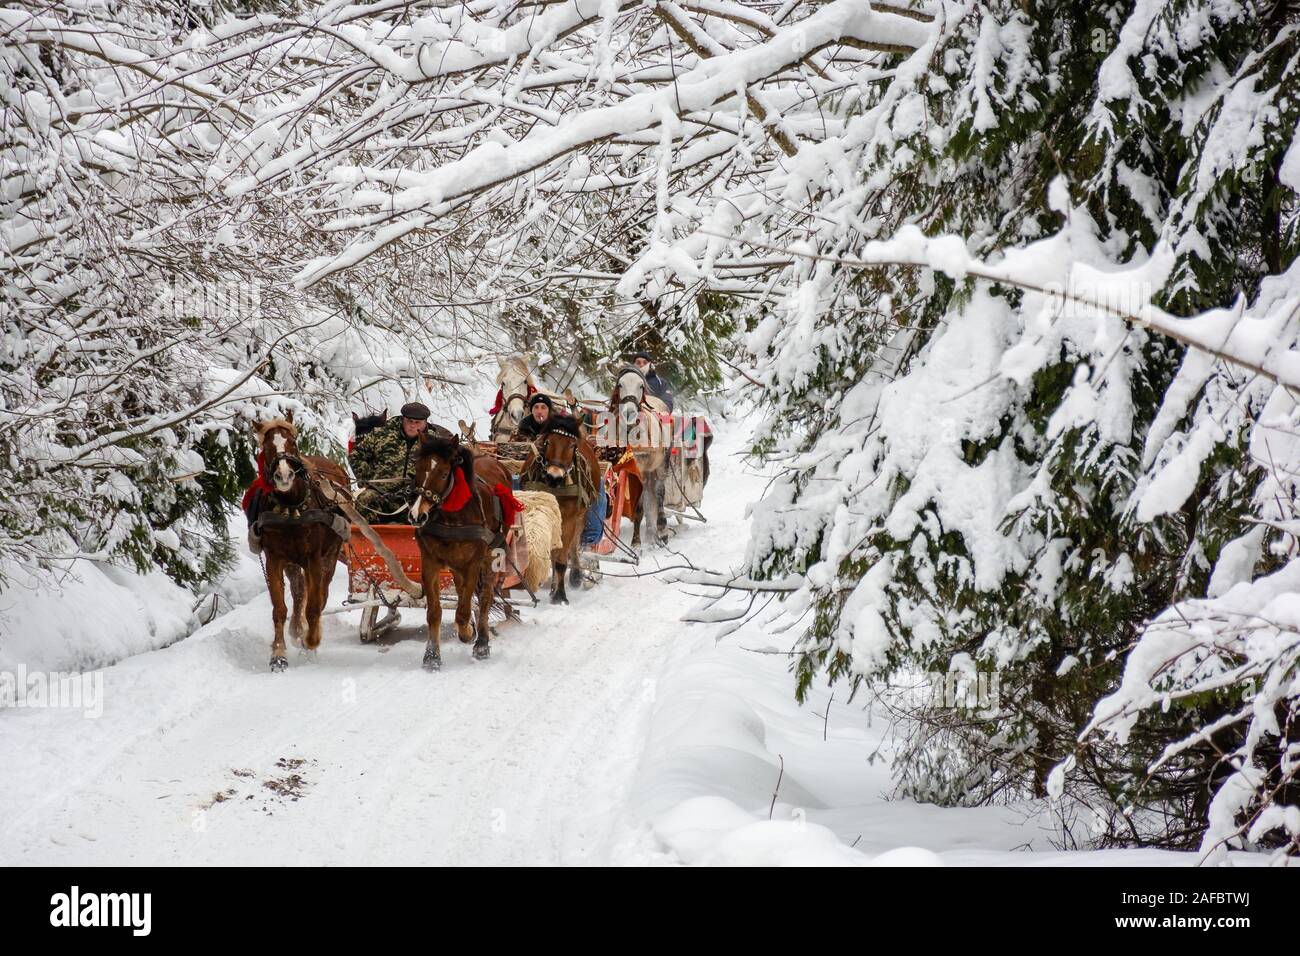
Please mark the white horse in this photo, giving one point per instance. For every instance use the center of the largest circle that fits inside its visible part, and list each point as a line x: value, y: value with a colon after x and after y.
x: 516, y: 387
x: 637, y: 412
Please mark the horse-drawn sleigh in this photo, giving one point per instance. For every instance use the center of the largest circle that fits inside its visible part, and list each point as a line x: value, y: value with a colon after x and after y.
x: 469, y: 540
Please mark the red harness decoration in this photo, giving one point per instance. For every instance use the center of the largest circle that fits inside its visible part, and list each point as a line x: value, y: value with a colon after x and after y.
x: 510, y: 505
x: 460, y: 493
x: 259, y: 483
x: 501, y: 398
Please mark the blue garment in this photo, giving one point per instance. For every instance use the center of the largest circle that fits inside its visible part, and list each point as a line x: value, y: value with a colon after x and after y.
x: 659, y: 388
x: 594, y: 529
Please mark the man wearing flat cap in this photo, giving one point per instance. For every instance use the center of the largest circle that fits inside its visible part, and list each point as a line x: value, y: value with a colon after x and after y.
x: 383, y: 461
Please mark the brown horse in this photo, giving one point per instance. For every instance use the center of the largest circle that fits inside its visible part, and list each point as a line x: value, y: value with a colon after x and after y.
x: 564, y: 463
x: 302, y: 533
x: 465, y: 541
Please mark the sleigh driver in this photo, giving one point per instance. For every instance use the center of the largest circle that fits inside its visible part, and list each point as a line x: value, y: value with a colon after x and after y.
x: 383, y: 461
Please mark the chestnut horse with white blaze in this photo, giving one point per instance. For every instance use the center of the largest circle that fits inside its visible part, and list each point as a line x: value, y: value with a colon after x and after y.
x: 459, y: 526
x: 301, y: 531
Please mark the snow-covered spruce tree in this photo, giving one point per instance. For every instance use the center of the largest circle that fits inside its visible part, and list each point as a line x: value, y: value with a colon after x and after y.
x: 969, y: 500
x: 1225, y: 101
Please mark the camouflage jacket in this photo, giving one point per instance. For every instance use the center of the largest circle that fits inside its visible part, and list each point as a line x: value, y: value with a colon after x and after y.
x: 384, y: 464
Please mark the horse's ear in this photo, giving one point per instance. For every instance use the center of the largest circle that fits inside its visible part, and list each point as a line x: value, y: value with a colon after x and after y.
x: 385, y: 418
x: 356, y: 420
x: 289, y: 416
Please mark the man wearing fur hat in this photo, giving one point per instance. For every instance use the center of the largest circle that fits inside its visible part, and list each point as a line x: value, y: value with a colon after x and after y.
x: 534, y: 423
x: 383, y: 462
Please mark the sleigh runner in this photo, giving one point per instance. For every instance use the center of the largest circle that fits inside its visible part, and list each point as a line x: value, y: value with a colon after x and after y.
x: 373, y: 587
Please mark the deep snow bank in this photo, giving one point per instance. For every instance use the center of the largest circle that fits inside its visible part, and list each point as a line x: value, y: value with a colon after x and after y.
x: 79, y: 615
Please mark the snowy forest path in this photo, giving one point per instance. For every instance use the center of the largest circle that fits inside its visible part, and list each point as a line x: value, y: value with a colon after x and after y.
x: 360, y: 757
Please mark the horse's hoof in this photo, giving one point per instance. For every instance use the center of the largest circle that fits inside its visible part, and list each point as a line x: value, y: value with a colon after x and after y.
x: 432, y: 662
x: 308, y: 654
x: 482, y: 651
x: 575, y: 578
x: 559, y: 599
x: 279, y: 665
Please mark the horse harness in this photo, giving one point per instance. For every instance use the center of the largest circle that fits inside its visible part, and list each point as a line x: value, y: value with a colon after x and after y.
x: 435, y: 527
x: 575, y: 485
x: 286, y: 516
x: 505, y: 407
x: 639, y: 401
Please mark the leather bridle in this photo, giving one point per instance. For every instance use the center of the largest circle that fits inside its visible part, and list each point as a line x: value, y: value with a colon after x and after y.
x: 296, y: 465
x: 434, y: 498
x: 565, y: 470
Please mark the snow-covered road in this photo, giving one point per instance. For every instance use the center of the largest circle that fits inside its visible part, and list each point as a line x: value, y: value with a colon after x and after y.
x: 604, y: 732
x: 202, y: 756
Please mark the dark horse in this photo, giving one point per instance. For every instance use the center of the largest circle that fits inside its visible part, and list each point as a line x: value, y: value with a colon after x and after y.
x: 564, y: 463
x: 363, y: 425
x: 463, y: 540
x: 302, y: 533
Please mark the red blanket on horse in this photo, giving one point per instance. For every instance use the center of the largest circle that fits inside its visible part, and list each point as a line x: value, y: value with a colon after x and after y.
x: 260, y: 483
x: 460, y: 495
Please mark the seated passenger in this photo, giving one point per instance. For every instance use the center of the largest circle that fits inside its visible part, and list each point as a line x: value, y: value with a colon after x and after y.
x: 534, y: 423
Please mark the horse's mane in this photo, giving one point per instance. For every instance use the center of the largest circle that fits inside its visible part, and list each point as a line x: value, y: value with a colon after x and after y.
x: 264, y: 427
x: 517, y: 364
x: 438, y: 441
x: 564, y: 425
x: 443, y: 444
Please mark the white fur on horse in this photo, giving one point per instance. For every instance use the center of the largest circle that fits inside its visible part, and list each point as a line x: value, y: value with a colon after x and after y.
x: 542, y: 528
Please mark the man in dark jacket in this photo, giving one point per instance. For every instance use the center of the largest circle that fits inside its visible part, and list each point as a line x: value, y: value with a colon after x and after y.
x: 383, y: 461
x: 658, y: 387
x: 534, y: 423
